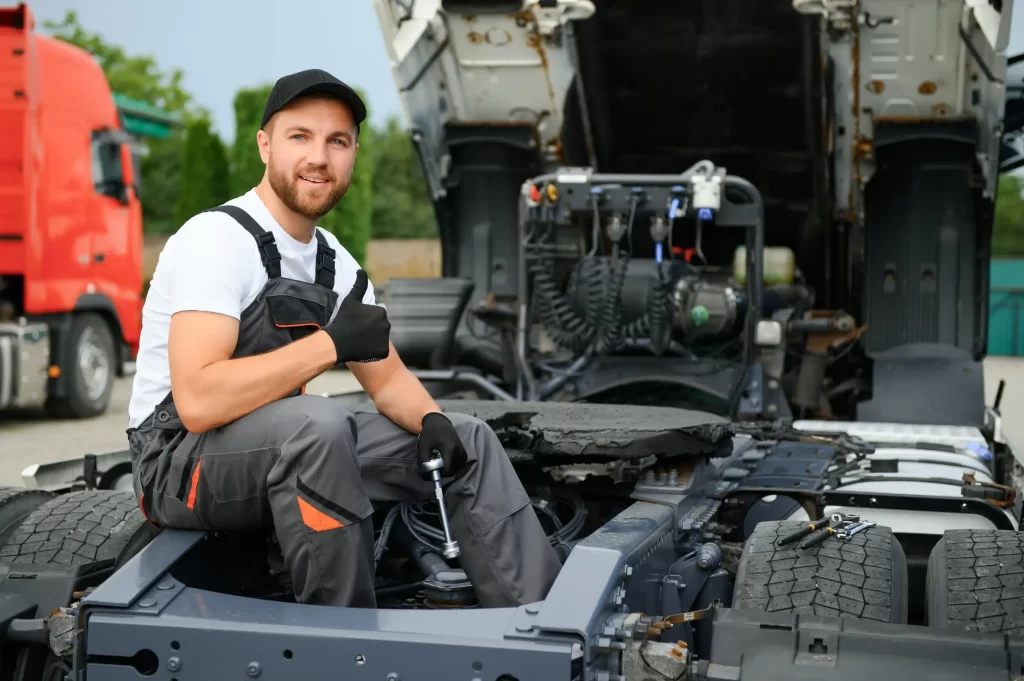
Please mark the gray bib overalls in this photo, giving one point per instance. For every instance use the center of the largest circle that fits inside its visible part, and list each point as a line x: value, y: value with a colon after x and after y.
x: 308, y: 467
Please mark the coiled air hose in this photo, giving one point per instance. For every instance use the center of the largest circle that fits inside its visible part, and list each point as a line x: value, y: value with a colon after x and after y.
x: 412, y: 516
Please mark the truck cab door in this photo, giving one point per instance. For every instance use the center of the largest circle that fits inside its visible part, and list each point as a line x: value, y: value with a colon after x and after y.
x: 115, y: 266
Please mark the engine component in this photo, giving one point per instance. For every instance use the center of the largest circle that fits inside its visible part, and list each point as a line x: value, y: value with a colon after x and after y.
x: 444, y: 586
x: 704, y: 309
x: 779, y: 265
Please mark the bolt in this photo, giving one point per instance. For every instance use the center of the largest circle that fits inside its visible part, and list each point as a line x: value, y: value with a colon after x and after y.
x: 165, y: 586
x: 393, y: 677
x: 360, y: 659
x: 254, y: 669
x: 148, y: 603
x: 174, y: 664
x: 533, y: 608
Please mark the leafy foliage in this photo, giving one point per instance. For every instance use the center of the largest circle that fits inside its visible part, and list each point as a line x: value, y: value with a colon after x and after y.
x: 204, y: 171
x: 246, y: 165
x: 135, y: 76
x: 401, y: 201
x: 1008, y: 227
x: 139, y: 77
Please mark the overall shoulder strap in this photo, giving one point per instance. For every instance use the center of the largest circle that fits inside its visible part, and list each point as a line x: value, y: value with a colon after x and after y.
x: 269, y: 254
x: 325, y: 256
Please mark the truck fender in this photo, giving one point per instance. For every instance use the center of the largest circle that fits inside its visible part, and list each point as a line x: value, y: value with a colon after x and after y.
x: 62, y: 349
x: 103, y: 305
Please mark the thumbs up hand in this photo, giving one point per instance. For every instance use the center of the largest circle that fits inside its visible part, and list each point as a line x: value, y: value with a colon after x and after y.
x: 361, y: 332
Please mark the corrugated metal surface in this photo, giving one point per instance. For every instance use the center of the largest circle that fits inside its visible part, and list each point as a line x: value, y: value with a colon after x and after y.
x: 1006, y: 308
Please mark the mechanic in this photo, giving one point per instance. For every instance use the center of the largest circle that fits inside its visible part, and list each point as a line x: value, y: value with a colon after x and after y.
x: 249, y: 302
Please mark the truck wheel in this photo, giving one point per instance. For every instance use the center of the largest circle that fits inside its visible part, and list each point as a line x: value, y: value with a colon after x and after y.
x: 90, y: 371
x: 865, y: 577
x: 975, y: 581
x: 16, y: 503
x: 94, y: 529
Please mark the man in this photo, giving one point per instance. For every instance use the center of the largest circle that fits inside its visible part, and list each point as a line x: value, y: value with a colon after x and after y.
x: 250, y: 301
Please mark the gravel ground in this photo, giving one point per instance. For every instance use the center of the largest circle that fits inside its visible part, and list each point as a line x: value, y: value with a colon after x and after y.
x: 30, y: 438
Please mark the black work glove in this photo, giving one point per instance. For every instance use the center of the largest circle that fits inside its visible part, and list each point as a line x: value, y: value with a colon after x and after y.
x: 438, y: 435
x: 360, y: 332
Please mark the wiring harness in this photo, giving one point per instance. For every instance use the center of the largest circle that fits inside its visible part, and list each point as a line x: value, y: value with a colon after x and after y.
x: 601, y: 278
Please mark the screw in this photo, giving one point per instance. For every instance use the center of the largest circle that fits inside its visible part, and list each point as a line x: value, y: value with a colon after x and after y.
x: 174, y: 664
x: 360, y: 659
x: 254, y: 669
x: 393, y: 677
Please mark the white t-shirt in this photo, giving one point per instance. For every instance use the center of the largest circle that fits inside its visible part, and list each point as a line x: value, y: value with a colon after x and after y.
x: 212, y: 264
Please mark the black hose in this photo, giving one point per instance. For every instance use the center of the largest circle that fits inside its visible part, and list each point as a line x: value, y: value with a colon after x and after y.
x: 661, y: 314
x: 432, y: 536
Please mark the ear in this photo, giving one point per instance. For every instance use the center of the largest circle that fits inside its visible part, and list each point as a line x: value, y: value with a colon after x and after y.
x: 263, y: 142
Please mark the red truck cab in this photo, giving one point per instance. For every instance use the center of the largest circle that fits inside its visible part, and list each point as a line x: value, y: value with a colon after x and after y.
x: 70, y: 227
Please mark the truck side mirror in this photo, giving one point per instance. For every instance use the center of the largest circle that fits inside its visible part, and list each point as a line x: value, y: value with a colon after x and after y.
x: 110, y: 176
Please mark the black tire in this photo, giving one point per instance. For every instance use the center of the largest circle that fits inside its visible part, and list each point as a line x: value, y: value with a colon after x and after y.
x: 976, y: 581
x: 865, y: 577
x: 94, y: 529
x: 89, y: 333
x: 16, y: 503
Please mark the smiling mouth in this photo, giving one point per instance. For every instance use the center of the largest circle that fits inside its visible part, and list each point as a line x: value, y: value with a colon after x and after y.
x: 313, y: 180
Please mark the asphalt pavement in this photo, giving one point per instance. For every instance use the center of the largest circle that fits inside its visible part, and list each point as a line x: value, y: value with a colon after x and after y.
x: 33, y: 438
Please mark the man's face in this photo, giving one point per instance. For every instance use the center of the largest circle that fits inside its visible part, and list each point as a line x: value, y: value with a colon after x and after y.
x: 310, y: 149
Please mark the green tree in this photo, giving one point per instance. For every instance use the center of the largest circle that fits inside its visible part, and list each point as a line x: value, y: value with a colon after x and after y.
x: 246, y: 165
x: 1008, y: 225
x: 401, y: 199
x: 136, y: 76
x: 204, y: 171
x: 139, y: 76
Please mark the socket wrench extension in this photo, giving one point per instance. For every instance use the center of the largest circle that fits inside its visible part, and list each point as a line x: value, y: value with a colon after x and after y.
x: 434, y: 466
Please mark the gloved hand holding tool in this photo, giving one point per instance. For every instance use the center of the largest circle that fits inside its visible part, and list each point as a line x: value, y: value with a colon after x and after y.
x: 361, y: 332
x: 441, y: 454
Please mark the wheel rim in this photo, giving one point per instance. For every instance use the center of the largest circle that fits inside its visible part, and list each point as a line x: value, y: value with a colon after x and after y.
x: 93, y: 364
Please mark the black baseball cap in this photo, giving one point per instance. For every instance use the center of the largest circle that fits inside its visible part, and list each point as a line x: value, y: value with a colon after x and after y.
x: 312, y: 81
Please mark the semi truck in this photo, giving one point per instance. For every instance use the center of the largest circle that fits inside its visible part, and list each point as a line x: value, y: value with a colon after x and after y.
x: 70, y: 227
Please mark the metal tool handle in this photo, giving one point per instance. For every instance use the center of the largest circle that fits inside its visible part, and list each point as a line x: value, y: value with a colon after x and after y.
x: 434, y: 466
x: 816, y: 538
x: 801, y: 533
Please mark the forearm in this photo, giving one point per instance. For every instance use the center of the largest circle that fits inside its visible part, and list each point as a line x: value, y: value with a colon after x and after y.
x: 404, y: 400
x: 227, y: 390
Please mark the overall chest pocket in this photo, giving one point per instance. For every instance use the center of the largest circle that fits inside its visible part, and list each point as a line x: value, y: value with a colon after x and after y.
x: 299, y: 314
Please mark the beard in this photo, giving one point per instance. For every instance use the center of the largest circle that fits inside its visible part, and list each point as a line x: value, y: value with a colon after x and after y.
x: 286, y: 186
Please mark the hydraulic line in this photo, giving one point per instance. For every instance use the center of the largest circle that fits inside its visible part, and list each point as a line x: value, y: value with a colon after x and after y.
x: 412, y: 516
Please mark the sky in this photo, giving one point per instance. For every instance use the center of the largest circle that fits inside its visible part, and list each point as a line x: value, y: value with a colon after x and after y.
x: 232, y: 44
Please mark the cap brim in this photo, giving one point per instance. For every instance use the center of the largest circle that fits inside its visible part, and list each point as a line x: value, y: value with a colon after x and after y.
x: 339, y: 91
